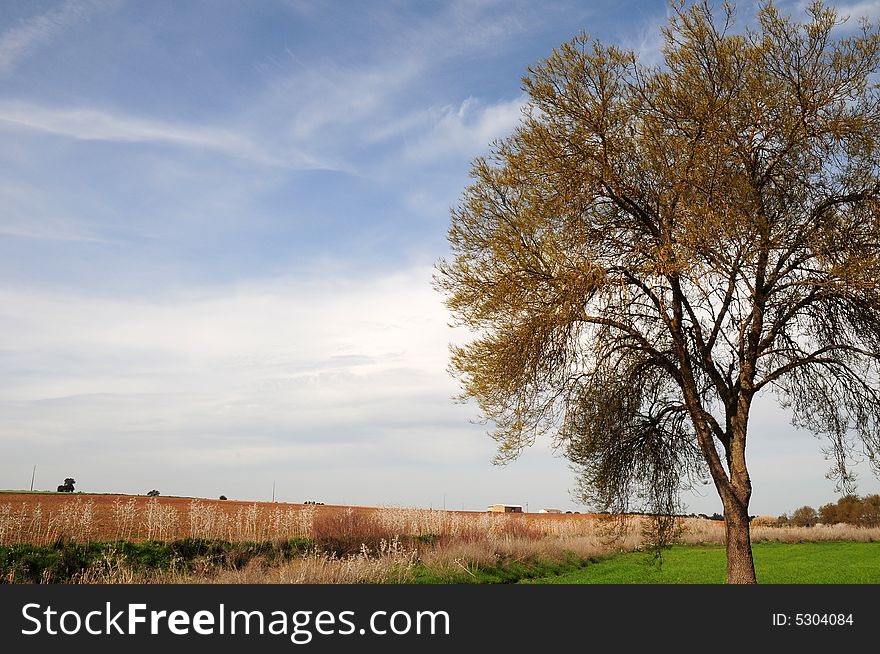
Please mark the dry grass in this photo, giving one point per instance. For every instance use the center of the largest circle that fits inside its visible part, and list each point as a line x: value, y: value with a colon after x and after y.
x: 351, y: 544
x: 29, y: 523
x: 92, y: 518
x: 391, y: 562
x: 84, y: 518
x: 699, y: 531
x: 346, y: 529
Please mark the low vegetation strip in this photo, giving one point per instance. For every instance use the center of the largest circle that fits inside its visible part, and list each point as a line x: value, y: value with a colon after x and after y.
x: 70, y: 562
x: 775, y: 563
x: 197, y: 560
x: 69, y: 538
x: 204, y: 561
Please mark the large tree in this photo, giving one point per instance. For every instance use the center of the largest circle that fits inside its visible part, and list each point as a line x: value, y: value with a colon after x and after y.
x: 654, y: 246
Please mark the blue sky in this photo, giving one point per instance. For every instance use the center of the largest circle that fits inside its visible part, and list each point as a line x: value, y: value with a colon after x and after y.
x: 216, y: 245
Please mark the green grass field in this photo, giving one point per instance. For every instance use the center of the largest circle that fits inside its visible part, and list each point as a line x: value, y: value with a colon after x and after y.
x: 775, y: 563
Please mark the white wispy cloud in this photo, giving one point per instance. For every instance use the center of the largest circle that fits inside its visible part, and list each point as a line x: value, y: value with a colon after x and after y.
x: 97, y: 125
x: 854, y: 12
x: 43, y: 232
x: 645, y: 37
x: 466, y: 130
x: 366, y: 101
x: 22, y: 40
x: 442, y: 141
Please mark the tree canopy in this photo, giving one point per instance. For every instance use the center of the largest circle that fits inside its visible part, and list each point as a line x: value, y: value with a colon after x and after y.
x: 67, y: 486
x: 653, y: 246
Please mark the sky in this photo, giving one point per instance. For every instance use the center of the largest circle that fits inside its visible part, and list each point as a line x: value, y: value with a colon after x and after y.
x: 219, y: 226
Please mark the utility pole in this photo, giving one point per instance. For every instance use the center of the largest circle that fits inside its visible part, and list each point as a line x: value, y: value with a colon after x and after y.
x: 33, y: 474
x: 273, y: 491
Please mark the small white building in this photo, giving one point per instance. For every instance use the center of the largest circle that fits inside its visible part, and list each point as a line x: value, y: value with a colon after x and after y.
x: 550, y: 511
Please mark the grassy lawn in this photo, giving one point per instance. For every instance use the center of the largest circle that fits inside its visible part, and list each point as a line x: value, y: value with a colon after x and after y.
x: 775, y: 563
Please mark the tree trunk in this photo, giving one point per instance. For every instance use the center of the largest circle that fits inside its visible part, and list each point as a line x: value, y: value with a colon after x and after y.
x: 740, y: 564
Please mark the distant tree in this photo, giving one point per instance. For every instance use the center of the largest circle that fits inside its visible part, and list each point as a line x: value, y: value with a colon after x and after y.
x: 853, y: 510
x: 652, y: 248
x: 153, y: 493
x: 849, y: 509
x: 805, y: 516
x: 67, y: 486
x: 871, y: 511
x: 828, y: 514
x: 222, y: 497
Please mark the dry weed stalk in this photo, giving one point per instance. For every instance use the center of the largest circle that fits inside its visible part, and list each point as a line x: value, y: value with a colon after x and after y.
x: 125, y: 516
x: 73, y: 521
x: 162, y: 520
x: 14, y: 525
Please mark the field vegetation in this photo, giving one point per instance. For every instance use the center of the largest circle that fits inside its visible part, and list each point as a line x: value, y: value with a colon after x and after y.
x: 122, y: 539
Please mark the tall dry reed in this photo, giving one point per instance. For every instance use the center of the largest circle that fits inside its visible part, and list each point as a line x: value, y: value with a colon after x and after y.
x: 73, y: 520
x: 700, y: 531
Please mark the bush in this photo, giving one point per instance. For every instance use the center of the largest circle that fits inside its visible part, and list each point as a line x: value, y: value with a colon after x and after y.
x: 153, y: 493
x: 346, y: 532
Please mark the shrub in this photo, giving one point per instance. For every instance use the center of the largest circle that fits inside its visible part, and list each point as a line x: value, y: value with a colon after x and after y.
x: 348, y: 532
